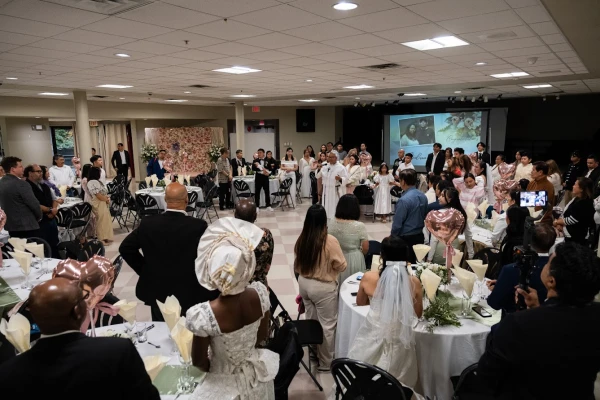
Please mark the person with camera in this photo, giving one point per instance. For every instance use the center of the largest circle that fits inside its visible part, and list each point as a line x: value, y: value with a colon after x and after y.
x: 503, y: 289
x: 551, y: 350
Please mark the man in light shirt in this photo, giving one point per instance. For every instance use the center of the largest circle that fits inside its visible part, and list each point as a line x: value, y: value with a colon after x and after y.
x: 524, y: 168
x: 98, y: 162
x: 407, y: 164
x: 60, y: 174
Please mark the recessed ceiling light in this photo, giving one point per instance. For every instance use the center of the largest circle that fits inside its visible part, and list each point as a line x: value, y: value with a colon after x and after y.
x: 457, y: 92
x: 343, y: 6
x: 122, y: 55
x: 11, y: 78
x: 38, y: 117
x: 187, y: 92
x: 309, y: 100
x: 436, y: 43
x: 415, y: 94
x: 510, y: 75
x: 545, y: 85
x: 309, y: 80
x: 359, y: 87
x: 112, y: 86
x: 176, y: 100
x: 237, y: 70
x: 357, y: 98
x: 481, y: 63
x: 121, y: 98
x: 243, y: 96
x: 53, y: 94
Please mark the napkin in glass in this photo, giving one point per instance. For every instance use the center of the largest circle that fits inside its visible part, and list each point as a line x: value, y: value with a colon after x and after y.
x: 183, y: 339
x: 180, y: 179
x: 127, y: 309
x: 148, y: 180
x: 430, y: 282
x: 16, y: 331
x: 171, y: 311
x: 421, y: 250
x: 478, y: 267
x: 18, y: 244
x: 483, y: 207
x: 154, y: 179
x: 456, y: 258
x: 471, y: 212
x: 495, y: 216
x: 23, y: 258
x: 36, y: 249
x: 63, y: 191
x: 167, y: 178
x: 187, y: 178
x: 154, y: 364
x: 466, y: 279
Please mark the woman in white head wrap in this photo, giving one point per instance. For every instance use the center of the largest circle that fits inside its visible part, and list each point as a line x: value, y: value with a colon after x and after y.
x: 236, y: 321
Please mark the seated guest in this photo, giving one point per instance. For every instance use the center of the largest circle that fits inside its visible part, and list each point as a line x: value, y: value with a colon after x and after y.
x: 551, y: 350
x: 432, y: 181
x: 513, y: 199
x: 52, y: 186
x: 503, y: 289
x: 578, y: 217
x: 49, y: 207
x: 246, y: 211
x: 168, y: 242
x: 65, y: 363
x: 156, y: 166
x: 515, y: 228
x: 407, y: 164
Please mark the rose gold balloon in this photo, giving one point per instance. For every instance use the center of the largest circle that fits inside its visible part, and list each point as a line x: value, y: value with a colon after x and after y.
x: 68, y: 269
x: 2, y: 219
x: 507, y: 171
x: 445, y: 224
x: 501, y: 188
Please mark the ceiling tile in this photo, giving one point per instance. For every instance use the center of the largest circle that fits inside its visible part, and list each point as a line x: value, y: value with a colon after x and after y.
x: 270, y: 55
x: 39, y: 52
x: 476, y: 57
x: 18, y: 38
x: 384, y: 20
x: 377, y: 51
x: 232, y: 48
x: 167, y: 15
x: 311, y: 49
x: 25, y: 58
x: 196, y: 55
x: 325, y: 9
x: 441, y: 10
x: 557, y: 38
x: 50, y: 13
x: 230, y: 30
x: 561, y: 47
x: 103, y: 60
x: 362, y: 62
x: 151, y: 47
x: 522, y: 3
x: 512, y: 44
x: 416, y: 55
x: 566, y: 54
x: 224, y: 8
x: 95, y: 38
x: 338, y: 56
x: 545, y: 28
x: 178, y: 38
x: 412, y: 33
x: 357, y: 42
x: 534, y: 14
x: 496, y: 35
x: 497, y: 20
x: 63, y: 45
x: 273, y: 41
x: 126, y: 28
x: 28, y: 27
x: 521, y: 52
x: 280, y: 18
x: 303, y: 61
x: 7, y: 47
x: 455, y: 51
x: 323, y: 31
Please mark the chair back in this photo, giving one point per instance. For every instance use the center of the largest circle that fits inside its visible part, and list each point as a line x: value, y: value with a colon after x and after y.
x: 118, y: 264
x: 200, y: 180
x: 192, y: 197
x: 81, y: 210
x: 47, y: 249
x: 240, y: 186
x: 364, y: 195
x: 112, y: 187
x: 313, y: 177
x: 287, y: 345
x: 120, y: 180
x: 145, y: 201
x: 64, y: 217
x: 374, y: 249
x: 359, y: 380
x: 285, y: 185
x: 396, y: 192
x: 90, y: 249
x: 212, y: 193
x: 129, y: 201
x: 492, y: 257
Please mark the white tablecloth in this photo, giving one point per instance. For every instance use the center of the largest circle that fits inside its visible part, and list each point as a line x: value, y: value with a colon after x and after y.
x: 13, y: 275
x: 444, y: 353
x: 159, y: 195
x: 70, y: 202
x: 273, y: 187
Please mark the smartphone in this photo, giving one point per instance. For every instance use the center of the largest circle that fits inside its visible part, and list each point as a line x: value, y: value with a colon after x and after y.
x: 358, y: 278
x: 534, y: 199
x: 354, y: 294
x: 481, y: 311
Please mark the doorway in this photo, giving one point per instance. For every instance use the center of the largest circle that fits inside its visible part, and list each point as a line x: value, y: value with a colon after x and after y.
x: 258, y: 134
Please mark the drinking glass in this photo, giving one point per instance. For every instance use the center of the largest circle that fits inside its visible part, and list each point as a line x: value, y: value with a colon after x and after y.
x: 185, y: 384
x: 140, y: 332
x: 129, y: 325
x: 466, y: 305
x: 26, y: 284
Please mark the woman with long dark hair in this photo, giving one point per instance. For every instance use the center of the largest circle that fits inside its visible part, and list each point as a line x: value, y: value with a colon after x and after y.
x: 319, y: 260
x: 578, y: 217
x: 515, y: 232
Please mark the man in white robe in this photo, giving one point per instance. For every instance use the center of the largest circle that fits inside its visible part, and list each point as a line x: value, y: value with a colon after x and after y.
x: 335, y: 177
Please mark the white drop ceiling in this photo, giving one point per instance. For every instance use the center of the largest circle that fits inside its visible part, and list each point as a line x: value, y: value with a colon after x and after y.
x: 174, y: 44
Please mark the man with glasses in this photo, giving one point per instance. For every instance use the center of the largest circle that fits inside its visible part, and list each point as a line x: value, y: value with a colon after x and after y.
x: 49, y: 207
x: 65, y: 363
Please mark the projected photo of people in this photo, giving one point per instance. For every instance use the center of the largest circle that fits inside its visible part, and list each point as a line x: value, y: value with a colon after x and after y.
x: 417, y: 131
x: 463, y: 125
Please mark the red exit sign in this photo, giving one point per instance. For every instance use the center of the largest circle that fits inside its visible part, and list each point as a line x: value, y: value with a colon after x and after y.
x: 255, y: 109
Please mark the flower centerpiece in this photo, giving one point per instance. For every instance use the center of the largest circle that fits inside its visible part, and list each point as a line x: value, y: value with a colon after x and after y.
x: 214, y: 152
x: 439, y: 270
x: 161, y: 183
x: 149, y: 152
x: 440, y: 313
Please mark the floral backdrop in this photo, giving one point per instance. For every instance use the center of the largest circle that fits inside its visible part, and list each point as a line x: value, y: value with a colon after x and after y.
x: 187, y: 148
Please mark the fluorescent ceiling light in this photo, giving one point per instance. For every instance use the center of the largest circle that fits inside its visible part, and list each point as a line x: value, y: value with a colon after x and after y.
x: 359, y: 87
x: 187, y: 92
x: 481, y: 63
x: 237, y: 70
x: 357, y: 98
x: 122, y: 55
x: 111, y: 86
x: 11, y: 78
x: 53, y: 94
x: 510, y: 75
x: 121, y: 98
x: 545, y: 85
x: 309, y: 80
x: 310, y: 100
x: 343, y: 6
x: 457, y: 92
x: 176, y: 100
x: 415, y: 94
x: 436, y: 43
x: 243, y: 96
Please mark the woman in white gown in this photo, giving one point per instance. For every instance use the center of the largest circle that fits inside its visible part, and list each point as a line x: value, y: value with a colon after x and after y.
x: 355, y: 174
x: 386, y: 337
x: 383, y: 200
x: 305, y: 168
x: 236, y: 321
x: 289, y: 164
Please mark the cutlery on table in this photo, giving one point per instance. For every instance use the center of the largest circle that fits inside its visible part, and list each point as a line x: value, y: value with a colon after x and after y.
x: 155, y: 345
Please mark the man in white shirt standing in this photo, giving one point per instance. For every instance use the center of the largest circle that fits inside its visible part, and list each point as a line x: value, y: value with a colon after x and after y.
x: 407, y: 164
x: 60, y: 174
x: 120, y: 160
x: 334, y: 177
x: 98, y: 162
x: 435, y: 161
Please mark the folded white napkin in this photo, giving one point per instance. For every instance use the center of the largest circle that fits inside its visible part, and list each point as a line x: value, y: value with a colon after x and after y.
x: 504, y: 207
x: 154, y: 364
x: 471, y: 212
x: 180, y: 179
x: 479, y: 269
x: 494, y: 219
x: 375, y: 263
x: 466, y: 279
x: 456, y: 258
x: 148, y: 180
x: 36, y: 249
x: 154, y: 179
x: 187, y: 178
x: 17, y: 243
x: 421, y: 250
x: 430, y: 282
x: 167, y: 182
x: 127, y: 309
x: 23, y: 258
x: 183, y: 339
x: 483, y: 207
x: 171, y: 311
x: 63, y: 191
x: 239, y: 171
x: 16, y: 331
x: 167, y: 178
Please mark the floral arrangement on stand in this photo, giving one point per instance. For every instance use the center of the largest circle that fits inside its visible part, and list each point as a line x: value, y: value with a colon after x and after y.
x: 149, y: 152
x: 214, y: 152
x: 439, y: 270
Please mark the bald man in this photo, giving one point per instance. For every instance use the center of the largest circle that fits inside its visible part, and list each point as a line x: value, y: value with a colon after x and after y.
x: 166, y: 264
x: 66, y: 364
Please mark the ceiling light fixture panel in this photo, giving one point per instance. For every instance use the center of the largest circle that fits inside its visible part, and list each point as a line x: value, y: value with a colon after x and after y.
x: 344, y: 6
x: 122, y: 55
x: 112, y: 86
x: 415, y: 94
x: 510, y: 75
x: 53, y: 94
x: 441, y: 42
x: 11, y: 78
x: 237, y: 70
x: 243, y: 96
x: 357, y: 87
x: 176, y: 100
x: 545, y: 85
x: 309, y: 100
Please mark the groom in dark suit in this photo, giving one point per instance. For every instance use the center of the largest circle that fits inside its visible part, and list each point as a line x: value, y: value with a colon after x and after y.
x: 120, y: 160
x: 167, y: 266
x: 483, y: 155
x: 65, y: 363
x: 435, y: 161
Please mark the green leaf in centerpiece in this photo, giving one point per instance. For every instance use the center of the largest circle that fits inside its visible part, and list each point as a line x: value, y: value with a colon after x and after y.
x: 8, y: 298
x: 440, y: 313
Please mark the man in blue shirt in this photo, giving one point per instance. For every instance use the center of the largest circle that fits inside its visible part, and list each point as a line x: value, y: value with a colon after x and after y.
x: 411, y: 210
x: 503, y: 289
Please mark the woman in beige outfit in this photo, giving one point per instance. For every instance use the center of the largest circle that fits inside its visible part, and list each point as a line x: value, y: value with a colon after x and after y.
x: 319, y: 260
x: 100, y: 202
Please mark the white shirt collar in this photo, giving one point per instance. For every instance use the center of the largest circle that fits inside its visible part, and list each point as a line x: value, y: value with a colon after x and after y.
x: 59, y: 334
x: 544, y: 254
x: 179, y: 211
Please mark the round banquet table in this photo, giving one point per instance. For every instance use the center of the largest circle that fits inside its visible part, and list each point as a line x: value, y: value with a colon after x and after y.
x: 70, y: 202
x: 273, y: 187
x: 159, y: 195
x: 444, y: 353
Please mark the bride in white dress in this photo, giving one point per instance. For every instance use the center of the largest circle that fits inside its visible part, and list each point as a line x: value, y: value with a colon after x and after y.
x: 236, y: 321
x: 306, y: 166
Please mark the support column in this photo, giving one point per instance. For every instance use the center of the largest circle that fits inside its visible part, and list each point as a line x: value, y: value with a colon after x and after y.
x: 82, y: 127
x: 240, y: 127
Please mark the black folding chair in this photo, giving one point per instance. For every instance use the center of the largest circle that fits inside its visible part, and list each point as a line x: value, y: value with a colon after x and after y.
x: 142, y: 186
x: 468, y: 386
x: 203, y: 208
x: 395, y: 193
x: 365, y: 197
x: 286, y: 344
x: 284, y: 193
x: 112, y: 188
x: 64, y: 218
x: 90, y: 249
x: 118, y: 265
x: 359, y: 380
x: 146, y: 205
x: 374, y: 249
x: 313, y: 183
x: 81, y: 217
x: 192, y: 200
x: 299, y: 189
x: 47, y: 249
x: 242, y: 189
x: 129, y: 203
x: 116, y: 208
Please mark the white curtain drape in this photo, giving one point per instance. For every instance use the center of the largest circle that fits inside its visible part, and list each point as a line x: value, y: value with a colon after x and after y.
x: 109, y: 135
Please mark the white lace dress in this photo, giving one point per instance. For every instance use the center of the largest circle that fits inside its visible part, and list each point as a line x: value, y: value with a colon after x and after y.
x: 237, y: 368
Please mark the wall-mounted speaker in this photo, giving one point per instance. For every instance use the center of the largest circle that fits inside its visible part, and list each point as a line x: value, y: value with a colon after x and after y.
x: 305, y: 120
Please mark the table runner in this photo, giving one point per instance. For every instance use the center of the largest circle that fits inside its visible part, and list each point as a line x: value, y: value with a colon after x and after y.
x: 8, y: 297
x: 166, y: 381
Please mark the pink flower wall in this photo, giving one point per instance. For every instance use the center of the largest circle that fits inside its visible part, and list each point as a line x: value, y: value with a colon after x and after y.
x: 186, y: 147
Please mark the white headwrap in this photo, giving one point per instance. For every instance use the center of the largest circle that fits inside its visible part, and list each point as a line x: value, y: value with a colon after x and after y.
x: 226, y: 259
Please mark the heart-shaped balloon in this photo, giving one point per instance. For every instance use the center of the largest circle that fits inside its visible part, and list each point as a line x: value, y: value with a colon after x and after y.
x: 96, y: 276
x: 501, y: 188
x: 2, y: 219
x: 507, y: 171
x: 445, y: 224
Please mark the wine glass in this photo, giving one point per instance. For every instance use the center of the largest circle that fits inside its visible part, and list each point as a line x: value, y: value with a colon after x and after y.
x: 129, y: 325
x: 185, y: 384
x: 140, y: 332
x: 26, y: 284
x: 466, y: 304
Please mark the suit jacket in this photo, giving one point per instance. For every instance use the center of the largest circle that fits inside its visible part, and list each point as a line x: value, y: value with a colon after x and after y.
x: 396, y: 164
x: 439, y: 163
x: 116, y: 161
x: 549, y: 352
x: 266, y: 165
x: 485, y: 157
x: 234, y: 165
x: 595, y: 177
x: 43, y: 196
x: 74, y: 366
x: 20, y: 205
x: 169, y: 243
x: 153, y: 167
x: 574, y: 172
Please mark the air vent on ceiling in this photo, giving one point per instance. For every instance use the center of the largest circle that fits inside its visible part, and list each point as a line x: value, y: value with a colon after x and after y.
x: 475, y: 88
x: 554, y: 71
x: 199, y: 86
x: 329, y: 97
x: 497, y: 36
x: 99, y: 97
x: 106, y: 7
x: 567, y: 84
x: 384, y: 67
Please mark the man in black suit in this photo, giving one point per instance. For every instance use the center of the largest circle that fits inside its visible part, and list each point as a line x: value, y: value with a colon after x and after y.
x: 167, y: 267
x: 425, y: 134
x: 398, y: 161
x: 120, y: 160
x: 261, y: 179
x: 550, y: 351
x: 483, y: 155
x: 238, y: 161
x: 65, y: 363
x: 593, y: 172
x: 435, y: 161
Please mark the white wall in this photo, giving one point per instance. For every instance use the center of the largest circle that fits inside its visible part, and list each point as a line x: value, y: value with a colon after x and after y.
x: 29, y: 145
